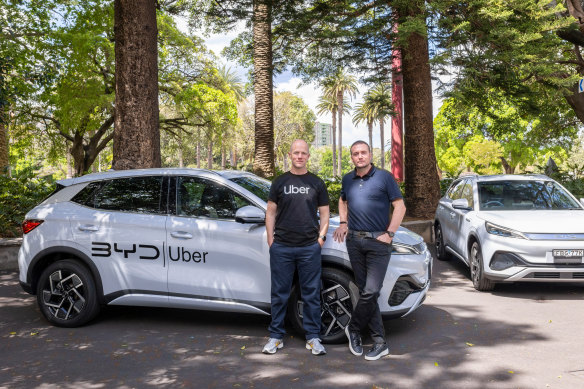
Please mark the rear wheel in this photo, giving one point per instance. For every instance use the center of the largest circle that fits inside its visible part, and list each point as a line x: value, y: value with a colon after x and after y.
x: 441, y: 253
x: 477, y: 274
x: 338, y: 295
x: 66, y: 294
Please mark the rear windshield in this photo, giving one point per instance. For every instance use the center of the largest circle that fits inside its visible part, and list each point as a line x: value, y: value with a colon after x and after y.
x: 524, y: 195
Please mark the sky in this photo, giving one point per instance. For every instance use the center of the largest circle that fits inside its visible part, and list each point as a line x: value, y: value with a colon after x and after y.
x: 309, y: 93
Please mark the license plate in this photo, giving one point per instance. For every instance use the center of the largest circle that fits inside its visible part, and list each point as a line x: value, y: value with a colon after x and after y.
x: 568, y: 254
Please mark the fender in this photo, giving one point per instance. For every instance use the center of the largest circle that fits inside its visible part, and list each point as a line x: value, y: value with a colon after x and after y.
x: 63, y: 251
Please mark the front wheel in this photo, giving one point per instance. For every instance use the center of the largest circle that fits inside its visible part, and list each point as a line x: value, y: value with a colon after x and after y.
x: 66, y: 294
x: 338, y: 296
x: 441, y: 253
x: 477, y: 274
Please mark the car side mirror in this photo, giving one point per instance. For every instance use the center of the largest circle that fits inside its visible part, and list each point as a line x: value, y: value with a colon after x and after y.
x: 250, y: 214
x: 460, y: 204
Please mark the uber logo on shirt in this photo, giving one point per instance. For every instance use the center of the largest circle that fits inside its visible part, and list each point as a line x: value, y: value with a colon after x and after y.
x: 291, y: 189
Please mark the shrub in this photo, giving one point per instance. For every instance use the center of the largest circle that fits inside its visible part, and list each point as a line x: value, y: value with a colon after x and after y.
x: 19, y: 194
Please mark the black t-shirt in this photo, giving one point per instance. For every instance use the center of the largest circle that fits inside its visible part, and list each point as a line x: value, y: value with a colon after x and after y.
x: 297, y: 198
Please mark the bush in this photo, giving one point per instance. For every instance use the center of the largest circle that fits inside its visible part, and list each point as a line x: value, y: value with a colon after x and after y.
x: 19, y: 194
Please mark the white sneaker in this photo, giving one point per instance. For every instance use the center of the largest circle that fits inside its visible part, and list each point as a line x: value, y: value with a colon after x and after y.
x: 316, y: 347
x: 273, y: 345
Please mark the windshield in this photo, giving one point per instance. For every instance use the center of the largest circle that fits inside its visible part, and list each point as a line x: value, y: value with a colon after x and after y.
x: 256, y: 185
x: 521, y: 195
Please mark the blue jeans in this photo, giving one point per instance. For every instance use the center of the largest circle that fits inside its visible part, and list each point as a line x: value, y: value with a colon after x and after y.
x: 369, y: 260
x: 283, y: 261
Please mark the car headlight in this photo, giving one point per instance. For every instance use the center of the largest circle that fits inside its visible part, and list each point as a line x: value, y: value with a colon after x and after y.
x: 401, y: 248
x: 503, y: 231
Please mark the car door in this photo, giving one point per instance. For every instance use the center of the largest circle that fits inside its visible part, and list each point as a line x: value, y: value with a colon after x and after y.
x: 446, y: 214
x: 462, y: 220
x: 121, y: 223
x: 211, y: 256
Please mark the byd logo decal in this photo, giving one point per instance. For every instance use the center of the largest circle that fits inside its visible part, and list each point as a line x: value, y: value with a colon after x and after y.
x: 147, y: 251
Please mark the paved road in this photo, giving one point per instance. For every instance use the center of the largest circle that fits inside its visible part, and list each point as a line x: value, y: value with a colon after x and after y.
x: 519, y: 336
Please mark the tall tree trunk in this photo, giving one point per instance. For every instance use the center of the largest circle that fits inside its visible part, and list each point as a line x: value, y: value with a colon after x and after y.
x: 199, y: 148
x: 508, y: 168
x: 136, y: 133
x: 382, y: 139
x: 340, y: 112
x: 334, y: 143
x: 69, y: 165
x: 234, y: 157
x: 223, y: 157
x: 370, y: 131
x: 421, y: 179
x: 181, y: 162
x: 4, y: 150
x: 397, y: 153
x: 285, y: 160
x: 210, y: 154
x: 263, y: 88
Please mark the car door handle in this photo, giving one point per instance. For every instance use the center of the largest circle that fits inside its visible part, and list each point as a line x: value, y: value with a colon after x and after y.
x: 181, y: 235
x: 88, y: 227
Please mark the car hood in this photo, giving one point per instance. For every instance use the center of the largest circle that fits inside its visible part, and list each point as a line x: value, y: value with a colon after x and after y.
x: 538, y: 221
x: 402, y: 235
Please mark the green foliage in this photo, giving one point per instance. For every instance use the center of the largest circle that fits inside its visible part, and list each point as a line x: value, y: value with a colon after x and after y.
x: 19, y: 194
x: 321, y: 161
x: 333, y: 186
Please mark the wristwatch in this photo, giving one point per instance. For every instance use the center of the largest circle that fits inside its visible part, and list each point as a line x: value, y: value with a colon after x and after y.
x: 323, y: 237
x: 390, y: 233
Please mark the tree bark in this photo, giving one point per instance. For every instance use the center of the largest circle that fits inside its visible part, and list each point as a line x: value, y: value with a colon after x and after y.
x: 340, y: 112
x: 4, y: 148
x: 181, y: 161
x: 397, y: 154
x: 382, y: 147
x: 370, y: 131
x: 210, y: 154
x: 334, y: 142
x: 263, y: 88
x: 421, y: 180
x: 223, y: 157
x: 508, y: 168
x: 136, y: 132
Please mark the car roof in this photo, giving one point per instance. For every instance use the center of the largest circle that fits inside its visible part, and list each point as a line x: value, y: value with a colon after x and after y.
x: 508, y: 177
x: 227, y: 174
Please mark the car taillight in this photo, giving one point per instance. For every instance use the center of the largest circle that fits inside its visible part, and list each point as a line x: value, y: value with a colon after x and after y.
x: 29, y: 225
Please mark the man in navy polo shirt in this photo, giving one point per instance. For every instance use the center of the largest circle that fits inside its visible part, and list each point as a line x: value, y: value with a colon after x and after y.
x: 364, y: 210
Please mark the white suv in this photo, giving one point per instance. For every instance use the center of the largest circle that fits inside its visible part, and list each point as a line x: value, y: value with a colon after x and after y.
x: 184, y: 238
x: 511, y: 228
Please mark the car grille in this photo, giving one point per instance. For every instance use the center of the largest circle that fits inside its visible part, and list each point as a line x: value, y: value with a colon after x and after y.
x: 546, y: 275
x: 557, y: 275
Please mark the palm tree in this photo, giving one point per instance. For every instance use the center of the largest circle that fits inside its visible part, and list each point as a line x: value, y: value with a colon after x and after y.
x: 336, y: 86
x: 365, y: 112
x: 380, y: 100
x: 330, y: 104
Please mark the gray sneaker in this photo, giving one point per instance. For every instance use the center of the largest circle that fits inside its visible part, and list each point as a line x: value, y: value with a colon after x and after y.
x: 316, y: 347
x: 377, y: 351
x: 273, y: 345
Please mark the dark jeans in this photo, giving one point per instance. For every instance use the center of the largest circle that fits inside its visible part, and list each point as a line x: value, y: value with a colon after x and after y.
x: 283, y: 261
x: 369, y: 260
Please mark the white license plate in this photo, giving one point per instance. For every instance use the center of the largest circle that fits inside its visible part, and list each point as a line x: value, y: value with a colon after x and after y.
x: 568, y: 254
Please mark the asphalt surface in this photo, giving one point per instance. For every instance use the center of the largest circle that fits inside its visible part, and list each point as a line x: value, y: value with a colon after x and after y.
x: 519, y: 336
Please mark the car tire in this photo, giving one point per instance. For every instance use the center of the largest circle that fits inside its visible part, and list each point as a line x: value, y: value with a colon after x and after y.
x: 339, y: 294
x: 441, y: 252
x: 66, y: 294
x: 477, y: 274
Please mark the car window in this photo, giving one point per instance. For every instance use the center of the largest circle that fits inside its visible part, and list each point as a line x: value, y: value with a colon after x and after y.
x: 87, y: 194
x: 466, y: 193
x: 524, y: 195
x: 198, y: 197
x: 258, y: 186
x: 133, y: 194
x: 455, y: 190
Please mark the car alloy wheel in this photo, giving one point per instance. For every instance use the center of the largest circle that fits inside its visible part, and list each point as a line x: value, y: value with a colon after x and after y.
x: 338, y: 296
x: 66, y: 294
x: 439, y: 243
x: 479, y: 281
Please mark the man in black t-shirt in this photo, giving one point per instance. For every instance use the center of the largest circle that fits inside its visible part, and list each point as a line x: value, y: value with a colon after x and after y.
x: 295, y: 237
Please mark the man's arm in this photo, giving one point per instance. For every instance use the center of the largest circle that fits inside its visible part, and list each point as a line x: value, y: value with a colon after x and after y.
x: 399, y: 210
x: 271, y: 221
x: 340, y: 232
x: 324, y: 213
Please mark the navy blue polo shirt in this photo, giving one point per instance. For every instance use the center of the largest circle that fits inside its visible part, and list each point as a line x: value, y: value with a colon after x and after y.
x: 369, y: 199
